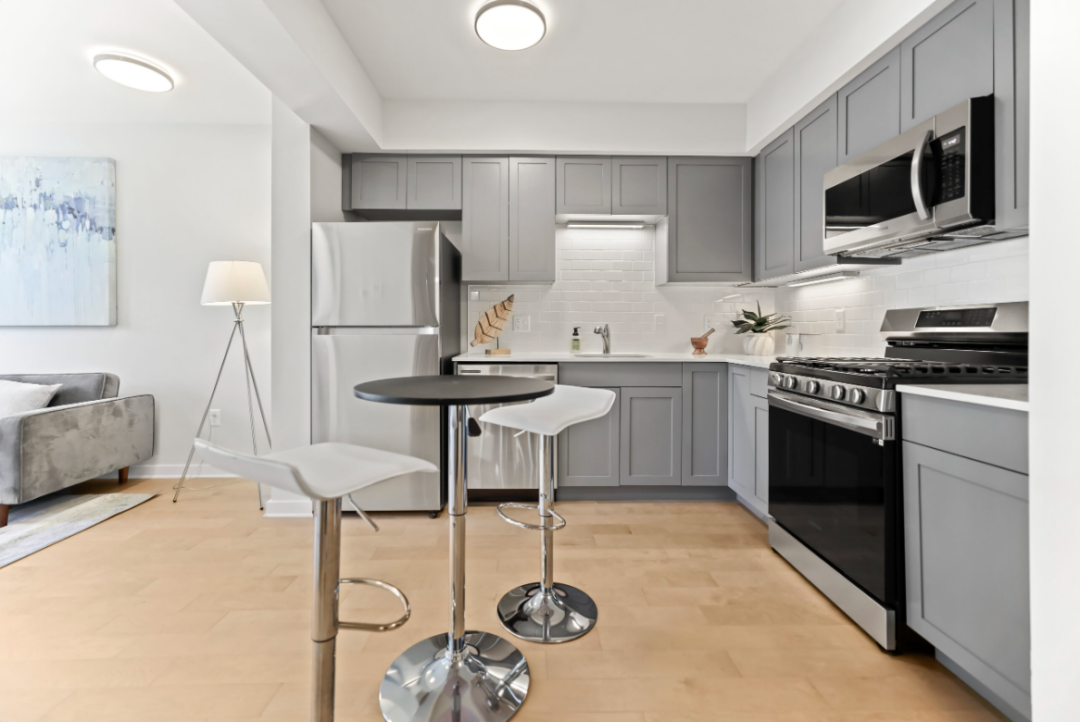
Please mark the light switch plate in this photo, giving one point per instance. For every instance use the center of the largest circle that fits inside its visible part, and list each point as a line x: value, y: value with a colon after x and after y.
x: 659, y: 323
x: 840, y: 320
x: 474, y: 295
x: 521, y: 324
x: 215, y: 417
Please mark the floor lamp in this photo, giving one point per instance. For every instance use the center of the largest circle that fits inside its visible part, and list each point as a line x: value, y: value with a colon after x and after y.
x: 236, y: 284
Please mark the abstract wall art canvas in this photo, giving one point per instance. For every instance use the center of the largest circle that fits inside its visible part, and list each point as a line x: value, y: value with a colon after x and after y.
x: 57, y: 242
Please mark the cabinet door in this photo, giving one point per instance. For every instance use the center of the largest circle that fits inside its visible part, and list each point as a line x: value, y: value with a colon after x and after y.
x: 966, y: 543
x: 774, y: 232
x: 532, y: 219
x: 378, y: 182
x: 639, y: 186
x: 709, y: 219
x: 650, y: 442
x: 704, y: 424
x: 589, y: 451
x: 434, y: 182
x: 485, y: 219
x: 946, y: 61
x: 761, y: 453
x: 583, y: 185
x: 1012, y: 71
x: 868, y: 108
x: 815, y: 155
x: 742, y: 434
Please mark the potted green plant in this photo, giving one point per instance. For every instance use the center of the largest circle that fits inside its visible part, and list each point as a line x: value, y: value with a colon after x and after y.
x: 757, y: 326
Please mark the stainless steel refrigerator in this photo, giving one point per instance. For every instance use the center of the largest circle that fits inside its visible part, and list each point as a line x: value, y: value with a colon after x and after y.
x: 385, y: 302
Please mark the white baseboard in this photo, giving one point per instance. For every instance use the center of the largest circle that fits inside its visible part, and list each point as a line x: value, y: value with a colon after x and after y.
x: 288, y: 508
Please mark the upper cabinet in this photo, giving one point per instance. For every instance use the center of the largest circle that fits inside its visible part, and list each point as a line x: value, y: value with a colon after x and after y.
x: 869, y: 108
x: 402, y: 187
x: 946, y: 61
x: 532, y: 219
x: 707, y: 236
x: 815, y: 155
x: 639, y: 186
x: 583, y: 186
x: 1012, y: 73
x: 774, y: 230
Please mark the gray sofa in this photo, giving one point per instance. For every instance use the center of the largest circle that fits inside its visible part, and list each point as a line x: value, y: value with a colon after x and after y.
x: 86, y: 431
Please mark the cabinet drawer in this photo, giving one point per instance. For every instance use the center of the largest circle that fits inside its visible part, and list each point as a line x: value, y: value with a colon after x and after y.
x: 987, y: 434
x: 759, y: 382
x: 614, y: 374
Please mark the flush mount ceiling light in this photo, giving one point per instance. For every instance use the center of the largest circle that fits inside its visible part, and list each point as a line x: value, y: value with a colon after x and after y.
x: 133, y: 72
x: 839, y: 276
x: 510, y: 24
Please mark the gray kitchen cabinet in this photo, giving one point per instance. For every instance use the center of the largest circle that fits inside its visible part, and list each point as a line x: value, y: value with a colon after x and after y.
x: 433, y: 182
x: 485, y: 219
x: 774, y: 229
x: 583, y: 185
x: 815, y: 154
x: 589, y: 451
x: 946, y: 61
x: 966, y: 543
x: 708, y: 233
x: 705, y: 421
x: 868, y: 108
x: 650, y: 438
x: 639, y: 186
x: 748, y: 440
x: 532, y: 219
x: 379, y: 182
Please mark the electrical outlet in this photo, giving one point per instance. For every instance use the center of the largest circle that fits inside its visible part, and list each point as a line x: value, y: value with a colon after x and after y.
x: 521, y: 324
x: 215, y: 417
x: 710, y: 321
x: 474, y: 295
x: 840, y: 321
x: 659, y: 323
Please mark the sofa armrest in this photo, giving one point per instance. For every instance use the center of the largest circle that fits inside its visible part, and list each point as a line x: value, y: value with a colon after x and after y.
x: 50, y: 449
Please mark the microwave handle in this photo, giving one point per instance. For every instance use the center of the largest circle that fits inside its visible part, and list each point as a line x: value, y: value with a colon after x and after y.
x: 916, y: 177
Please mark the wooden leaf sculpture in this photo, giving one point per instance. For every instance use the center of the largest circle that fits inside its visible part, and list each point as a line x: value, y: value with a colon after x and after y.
x: 493, y: 321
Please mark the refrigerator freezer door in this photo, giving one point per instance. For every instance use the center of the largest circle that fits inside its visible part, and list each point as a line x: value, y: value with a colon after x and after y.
x: 375, y: 274
x: 343, y: 358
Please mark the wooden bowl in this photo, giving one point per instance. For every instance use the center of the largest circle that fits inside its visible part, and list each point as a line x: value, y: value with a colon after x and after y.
x: 699, y: 345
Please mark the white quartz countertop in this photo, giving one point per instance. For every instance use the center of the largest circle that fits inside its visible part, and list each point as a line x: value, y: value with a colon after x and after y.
x: 1002, y: 396
x: 565, y: 357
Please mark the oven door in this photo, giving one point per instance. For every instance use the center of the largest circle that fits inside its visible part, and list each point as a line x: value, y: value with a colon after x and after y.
x: 833, y: 486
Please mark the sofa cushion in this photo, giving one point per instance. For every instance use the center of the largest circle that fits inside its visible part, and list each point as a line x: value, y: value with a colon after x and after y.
x: 75, y: 388
x: 16, y: 397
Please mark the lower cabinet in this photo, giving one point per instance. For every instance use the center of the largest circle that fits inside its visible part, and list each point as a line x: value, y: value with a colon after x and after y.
x: 966, y: 543
x: 651, y: 437
x: 748, y: 436
x: 589, y: 451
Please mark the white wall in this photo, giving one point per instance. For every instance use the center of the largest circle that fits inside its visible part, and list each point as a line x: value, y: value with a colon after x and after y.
x: 995, y: 272
x: 1055, y: 481
x: 608, y: 276
x: 187, y: 194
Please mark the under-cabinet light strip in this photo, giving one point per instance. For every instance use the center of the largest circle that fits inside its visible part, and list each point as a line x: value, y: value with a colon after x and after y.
x: 841, y: 276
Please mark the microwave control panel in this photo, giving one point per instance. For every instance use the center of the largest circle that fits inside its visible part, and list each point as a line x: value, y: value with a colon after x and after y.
x: 950, y: 153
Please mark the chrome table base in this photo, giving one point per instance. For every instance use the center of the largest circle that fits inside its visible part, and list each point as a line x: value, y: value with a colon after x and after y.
x: 561, y: 614
x: 487, y: 680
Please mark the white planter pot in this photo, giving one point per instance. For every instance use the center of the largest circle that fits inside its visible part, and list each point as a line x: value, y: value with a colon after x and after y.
x: 759, y: 344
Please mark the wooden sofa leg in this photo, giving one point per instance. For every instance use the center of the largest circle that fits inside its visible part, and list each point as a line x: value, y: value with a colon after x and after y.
x: 124, y: 474
x: 3, y: 515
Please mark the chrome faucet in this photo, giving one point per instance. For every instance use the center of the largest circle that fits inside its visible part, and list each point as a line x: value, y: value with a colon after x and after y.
x: 605, y: 333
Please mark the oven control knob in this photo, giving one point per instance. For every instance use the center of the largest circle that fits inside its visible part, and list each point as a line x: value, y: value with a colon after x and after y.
x: 812, y: 387
x: 838, y: 393
x: 791, y: 383
x: 858, y: 396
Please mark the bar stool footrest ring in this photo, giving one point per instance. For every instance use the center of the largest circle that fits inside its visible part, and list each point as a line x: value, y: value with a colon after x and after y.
x: 378, y: 627
x: 532, y: 527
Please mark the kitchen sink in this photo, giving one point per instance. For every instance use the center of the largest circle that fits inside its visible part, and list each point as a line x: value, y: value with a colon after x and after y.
x: 611, y: 355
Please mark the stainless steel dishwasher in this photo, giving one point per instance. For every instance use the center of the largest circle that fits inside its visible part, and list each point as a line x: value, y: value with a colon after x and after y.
x: 501, y: 462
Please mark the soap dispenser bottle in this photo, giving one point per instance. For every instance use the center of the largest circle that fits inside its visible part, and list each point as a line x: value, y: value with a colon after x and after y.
x: 575, y: 340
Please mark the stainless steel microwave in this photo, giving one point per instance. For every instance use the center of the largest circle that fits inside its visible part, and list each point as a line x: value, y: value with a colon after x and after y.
x: 929, y: 189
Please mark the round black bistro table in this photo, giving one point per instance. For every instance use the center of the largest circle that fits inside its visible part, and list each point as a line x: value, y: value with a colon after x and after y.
x: 461, y: 675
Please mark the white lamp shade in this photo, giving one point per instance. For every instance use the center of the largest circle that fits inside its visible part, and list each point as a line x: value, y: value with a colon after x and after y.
x: 229, y: 282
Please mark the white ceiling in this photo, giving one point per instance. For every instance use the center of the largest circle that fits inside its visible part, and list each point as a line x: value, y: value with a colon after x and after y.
x: 46, y: 48
x: 644, y: 51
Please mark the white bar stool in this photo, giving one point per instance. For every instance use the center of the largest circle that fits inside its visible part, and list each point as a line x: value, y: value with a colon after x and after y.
x: 325, y: 473
x: 547, y: 611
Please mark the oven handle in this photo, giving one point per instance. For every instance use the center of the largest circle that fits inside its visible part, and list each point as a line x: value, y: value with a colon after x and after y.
x: 916, y: 177
x: 878, y: 426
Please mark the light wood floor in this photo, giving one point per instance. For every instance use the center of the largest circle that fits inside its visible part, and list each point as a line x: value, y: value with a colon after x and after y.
x: 200, y: 611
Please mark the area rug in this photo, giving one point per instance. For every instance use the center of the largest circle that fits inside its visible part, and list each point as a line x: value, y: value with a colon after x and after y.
x: 34, y: 526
